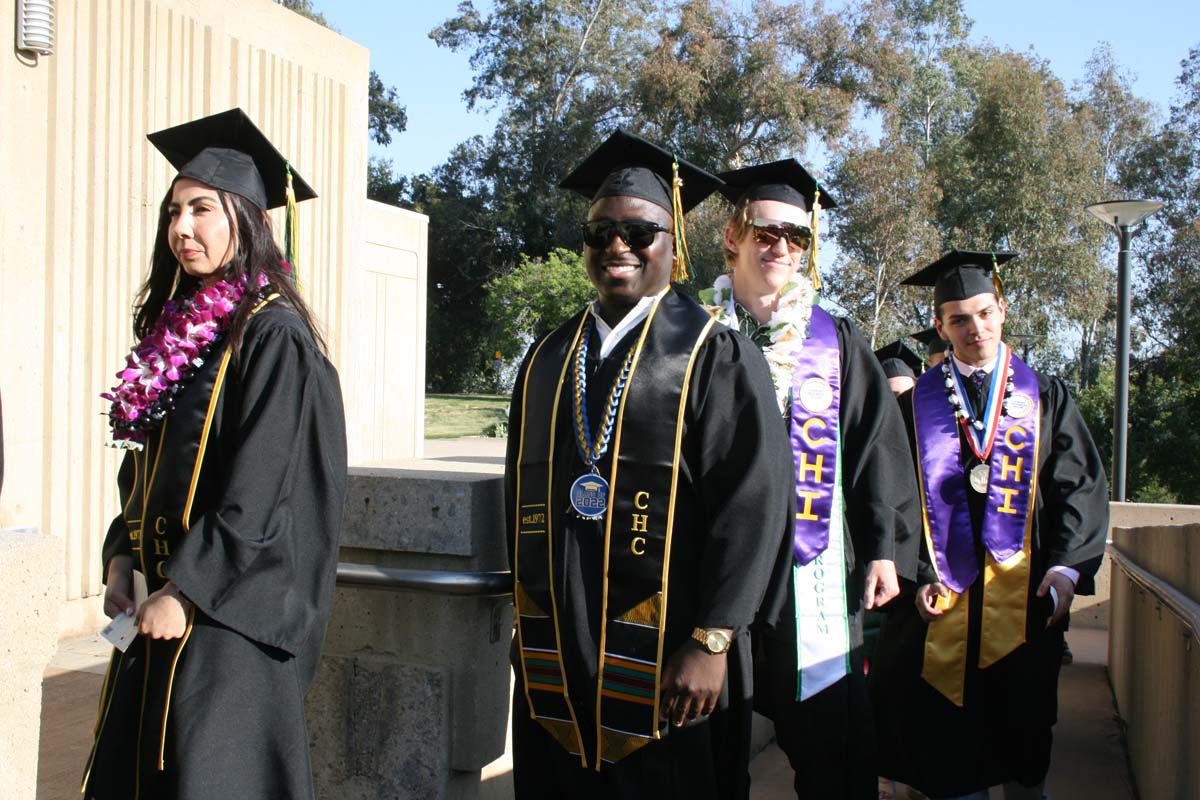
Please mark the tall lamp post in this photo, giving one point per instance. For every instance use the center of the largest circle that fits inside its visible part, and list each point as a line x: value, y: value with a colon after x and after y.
x: 1122, y: 216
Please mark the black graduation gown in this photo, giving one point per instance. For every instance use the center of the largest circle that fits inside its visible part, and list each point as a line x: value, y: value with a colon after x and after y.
x: 224, y: 705
x: 732, y: 512
x: 1003, y: 731
x: 828, y: 738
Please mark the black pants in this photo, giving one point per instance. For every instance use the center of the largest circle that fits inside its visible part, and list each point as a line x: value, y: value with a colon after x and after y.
x: 829, y: 739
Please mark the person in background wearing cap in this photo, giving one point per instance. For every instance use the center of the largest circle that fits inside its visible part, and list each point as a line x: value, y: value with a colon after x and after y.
x: 1016, y: 509
x: 901, y: 364
x: 646, y: 504
x: 854, y: 530
x: 232, y: 491
x: 935, y: 347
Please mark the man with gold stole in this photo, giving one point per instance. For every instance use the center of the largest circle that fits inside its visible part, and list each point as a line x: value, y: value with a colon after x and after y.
x: 1015, y: 513
x: 855, y: 527
x: 647, y: 502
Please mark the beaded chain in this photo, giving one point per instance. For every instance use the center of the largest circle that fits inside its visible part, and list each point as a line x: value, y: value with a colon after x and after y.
x: 590, y: 451
x: 963, y: 409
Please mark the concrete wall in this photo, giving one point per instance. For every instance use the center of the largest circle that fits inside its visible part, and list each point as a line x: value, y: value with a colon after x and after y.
x: 32, y: 584
x: 82, y: 189
x: 411, y: 698
x: 385, y: 407
x: 1154, y: 659
x: 1092, y: 611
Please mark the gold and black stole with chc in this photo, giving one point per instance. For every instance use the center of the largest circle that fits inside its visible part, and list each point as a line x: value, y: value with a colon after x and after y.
x: 642, y: 468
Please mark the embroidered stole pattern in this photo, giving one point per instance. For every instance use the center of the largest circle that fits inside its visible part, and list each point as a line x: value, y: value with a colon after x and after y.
x: 643, y: 471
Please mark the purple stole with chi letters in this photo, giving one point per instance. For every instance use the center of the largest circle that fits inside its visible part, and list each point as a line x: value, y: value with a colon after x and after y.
x: 1009, y: 446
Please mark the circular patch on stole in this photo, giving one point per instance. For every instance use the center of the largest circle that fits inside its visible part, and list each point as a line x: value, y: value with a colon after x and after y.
x: 816, y: 395
x: 1019, y: 405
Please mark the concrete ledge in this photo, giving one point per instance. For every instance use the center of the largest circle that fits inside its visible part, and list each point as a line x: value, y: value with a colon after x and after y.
x: 30, y: 592
x: 414, y: 510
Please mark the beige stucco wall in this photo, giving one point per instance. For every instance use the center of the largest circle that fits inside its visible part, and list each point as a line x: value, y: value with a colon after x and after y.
x: 81, y: 191
x: 385, y: 409
x: 1153, y: 656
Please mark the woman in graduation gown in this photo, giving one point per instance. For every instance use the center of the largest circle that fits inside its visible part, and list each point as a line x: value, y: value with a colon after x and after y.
x: 854, y: 534
x: 232, y: 492
x: 966, y: 693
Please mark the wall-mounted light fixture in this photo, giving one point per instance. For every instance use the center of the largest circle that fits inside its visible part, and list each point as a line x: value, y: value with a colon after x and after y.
x: 35, y: 26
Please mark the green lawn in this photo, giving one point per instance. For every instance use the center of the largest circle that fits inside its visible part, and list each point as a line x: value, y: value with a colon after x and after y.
x: 449, y: 416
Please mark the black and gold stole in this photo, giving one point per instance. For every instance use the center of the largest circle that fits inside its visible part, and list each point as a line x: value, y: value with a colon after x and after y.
x: 644, y: 478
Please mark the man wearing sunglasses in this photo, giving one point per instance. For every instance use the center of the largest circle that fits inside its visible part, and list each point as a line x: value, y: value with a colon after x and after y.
x: 647, y: 503
x: 856, y: 518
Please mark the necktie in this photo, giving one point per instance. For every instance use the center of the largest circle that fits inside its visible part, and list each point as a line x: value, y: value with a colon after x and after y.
x: 977, y: 379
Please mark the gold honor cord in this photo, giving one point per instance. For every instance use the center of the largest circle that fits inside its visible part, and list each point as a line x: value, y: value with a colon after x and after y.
x: 814, y: 273
x: 683, y: 259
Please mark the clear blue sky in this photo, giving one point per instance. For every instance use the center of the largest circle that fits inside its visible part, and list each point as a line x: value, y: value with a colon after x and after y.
x: 430, y: 80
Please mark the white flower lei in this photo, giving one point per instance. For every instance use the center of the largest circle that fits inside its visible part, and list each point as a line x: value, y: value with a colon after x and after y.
x: 787, y: 327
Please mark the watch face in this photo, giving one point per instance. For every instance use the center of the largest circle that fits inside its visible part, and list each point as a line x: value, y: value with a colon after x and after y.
x: 716, y: 642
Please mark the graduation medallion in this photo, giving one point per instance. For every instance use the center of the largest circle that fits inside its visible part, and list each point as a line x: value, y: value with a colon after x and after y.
x: 589, y: 496
x: 978, y: 475
x: 589, y: 492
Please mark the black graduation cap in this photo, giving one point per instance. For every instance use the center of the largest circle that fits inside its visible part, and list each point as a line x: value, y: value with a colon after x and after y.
x: 786, y: 181
x: 960, y: 274
x: 227, y: 151
x: 899, y: 360
x: 929, y: 337
x: 627, y: 165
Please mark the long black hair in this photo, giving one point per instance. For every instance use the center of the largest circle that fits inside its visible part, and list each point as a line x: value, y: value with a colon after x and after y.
x: 255, y: 253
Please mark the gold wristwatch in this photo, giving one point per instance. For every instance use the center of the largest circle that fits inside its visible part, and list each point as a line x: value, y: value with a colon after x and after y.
x: 715, y: 642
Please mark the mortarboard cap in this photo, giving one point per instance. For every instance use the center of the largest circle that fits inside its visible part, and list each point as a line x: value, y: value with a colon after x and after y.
x: 899, y: 360
x: 929, y: 337
x: 786, y: 181
x: 628, y: 165
x: 227, y: 151
x: 960, y: 274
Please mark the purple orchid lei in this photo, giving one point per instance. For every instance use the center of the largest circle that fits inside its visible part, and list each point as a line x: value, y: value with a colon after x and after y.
x: 167, y: 358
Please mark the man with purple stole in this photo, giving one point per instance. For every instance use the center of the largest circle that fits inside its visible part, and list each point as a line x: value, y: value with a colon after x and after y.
x: 647, y: 504
x: 855, y: 527
x: 1015, y: 508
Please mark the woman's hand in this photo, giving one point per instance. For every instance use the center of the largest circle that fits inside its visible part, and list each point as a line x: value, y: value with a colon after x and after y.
x: 118, y: 592
x: 164, y: 614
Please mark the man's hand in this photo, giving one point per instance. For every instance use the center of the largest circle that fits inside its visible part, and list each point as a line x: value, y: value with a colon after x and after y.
x: 118, y: 591
x: 927, y: 597
x: 1066, y: 593
x: 692, y: 683
x: 164, y: 614
x: 882, y: 584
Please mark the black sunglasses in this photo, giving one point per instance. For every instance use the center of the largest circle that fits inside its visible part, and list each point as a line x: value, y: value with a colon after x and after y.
x: 635, y: 233
x: 768, y: 232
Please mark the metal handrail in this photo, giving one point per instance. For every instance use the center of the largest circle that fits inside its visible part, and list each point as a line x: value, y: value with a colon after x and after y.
x: 474, y: 584
x: 1182, y: 606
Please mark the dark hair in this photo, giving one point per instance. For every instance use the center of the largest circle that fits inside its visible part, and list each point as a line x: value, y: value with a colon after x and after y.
x: 255, y: 253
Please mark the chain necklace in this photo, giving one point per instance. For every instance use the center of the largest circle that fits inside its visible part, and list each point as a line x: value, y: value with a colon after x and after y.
x: 589, y: 493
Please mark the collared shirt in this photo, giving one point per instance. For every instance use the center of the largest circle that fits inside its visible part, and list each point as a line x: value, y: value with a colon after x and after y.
x: 610, y: 337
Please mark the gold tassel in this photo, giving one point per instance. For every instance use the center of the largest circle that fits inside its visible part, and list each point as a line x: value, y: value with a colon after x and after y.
x: 683, y: 259
x: 814, y: 274
x: 997, y: 283
x: 291, y: 232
